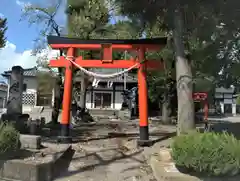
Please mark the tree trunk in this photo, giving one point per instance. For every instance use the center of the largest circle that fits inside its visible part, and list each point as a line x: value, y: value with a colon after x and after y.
x: 184, y: 78
x: 166, y: 113
x: 58, y: 96
x: 83, y: 96
x: 84, y: 84
x: 174, y: 101
x: 160, y: 109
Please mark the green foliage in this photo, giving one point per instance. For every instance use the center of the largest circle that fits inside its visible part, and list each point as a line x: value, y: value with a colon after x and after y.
x: 124, y: 29
x: 87, y: 18
x: 3, y: 28
x: 44, y: 15
x: 45, y: 82
x: 160, y: 81
x: 212, y: 49
x: 9, y: 138
x: 207, y: 153
x: 238, y: 100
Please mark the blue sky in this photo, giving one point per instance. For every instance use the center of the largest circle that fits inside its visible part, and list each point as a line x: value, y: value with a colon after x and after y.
x: 21, y: 36
x: 19, y: 32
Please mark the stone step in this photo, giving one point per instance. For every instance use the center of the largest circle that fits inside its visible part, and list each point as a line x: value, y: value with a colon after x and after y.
x: 47, y: 113
x: 103, y: 112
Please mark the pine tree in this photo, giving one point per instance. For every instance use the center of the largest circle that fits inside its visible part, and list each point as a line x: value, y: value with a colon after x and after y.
x: 3, y: 28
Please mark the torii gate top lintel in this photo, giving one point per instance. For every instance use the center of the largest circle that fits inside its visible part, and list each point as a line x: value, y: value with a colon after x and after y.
x: 107, y: 46
x: 57, y: 42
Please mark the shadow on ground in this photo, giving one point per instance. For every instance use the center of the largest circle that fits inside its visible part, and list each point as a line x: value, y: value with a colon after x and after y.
x: 93, y: 161
x: 100, y: 146
x: 105, y: 130
x: 85, y: 161
x: 88, y: 161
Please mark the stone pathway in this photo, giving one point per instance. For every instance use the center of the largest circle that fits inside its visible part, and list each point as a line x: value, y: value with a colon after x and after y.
x: 110, y: 164
x: 112, y: 159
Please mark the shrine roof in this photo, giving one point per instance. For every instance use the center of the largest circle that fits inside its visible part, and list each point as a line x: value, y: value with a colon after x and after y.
x: 224, y: 90
x: 66, y: 40
x: 30, y: 72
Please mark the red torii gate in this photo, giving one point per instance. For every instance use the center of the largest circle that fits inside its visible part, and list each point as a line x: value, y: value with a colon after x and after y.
x: 203, y: 97
x: 107, y: 46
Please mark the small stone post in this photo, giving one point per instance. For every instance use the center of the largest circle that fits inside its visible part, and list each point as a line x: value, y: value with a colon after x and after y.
x: 14, y: 104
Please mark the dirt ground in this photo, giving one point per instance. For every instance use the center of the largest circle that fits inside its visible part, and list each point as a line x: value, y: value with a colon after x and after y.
x: 99, y: 157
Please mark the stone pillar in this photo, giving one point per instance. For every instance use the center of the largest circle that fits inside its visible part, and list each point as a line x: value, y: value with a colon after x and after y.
x: 234, y: 107
x: 14, y: 104
x: 53, y: 95
x: 4, y: 102
x: 222, y: 107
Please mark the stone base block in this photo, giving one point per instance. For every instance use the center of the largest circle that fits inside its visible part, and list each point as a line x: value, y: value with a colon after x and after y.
x: 34, y: 167
x: 30, y: 141
x: 64, y: 139
x: 17, y: 169
x: 145, y: 143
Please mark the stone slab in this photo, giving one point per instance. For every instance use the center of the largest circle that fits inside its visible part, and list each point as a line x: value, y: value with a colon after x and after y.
x: 30, y: 141
x: 166, y: 171
x: 38, y: 167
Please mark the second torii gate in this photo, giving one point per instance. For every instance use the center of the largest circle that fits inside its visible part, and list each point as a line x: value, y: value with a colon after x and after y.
x: 107, y: 46
x: 203, y: 97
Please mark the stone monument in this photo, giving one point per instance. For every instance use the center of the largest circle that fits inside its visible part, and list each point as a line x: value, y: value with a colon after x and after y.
x: 14, y: 103
x: 133, y: 103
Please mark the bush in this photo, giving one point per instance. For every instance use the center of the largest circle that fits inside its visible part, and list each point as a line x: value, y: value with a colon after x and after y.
x: 9, y: 138
x: 213, y: 154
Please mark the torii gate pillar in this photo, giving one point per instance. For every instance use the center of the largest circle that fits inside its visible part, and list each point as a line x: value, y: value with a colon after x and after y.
x: 143, y: 102
x: 67, y: 100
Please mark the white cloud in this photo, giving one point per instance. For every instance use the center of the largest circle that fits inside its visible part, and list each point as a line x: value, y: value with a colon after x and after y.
x: 9, y: 57
x: 2, y: 15
x: 22, y: 4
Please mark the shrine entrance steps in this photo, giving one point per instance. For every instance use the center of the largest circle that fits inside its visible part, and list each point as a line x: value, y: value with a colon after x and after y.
x: 103, y: 112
